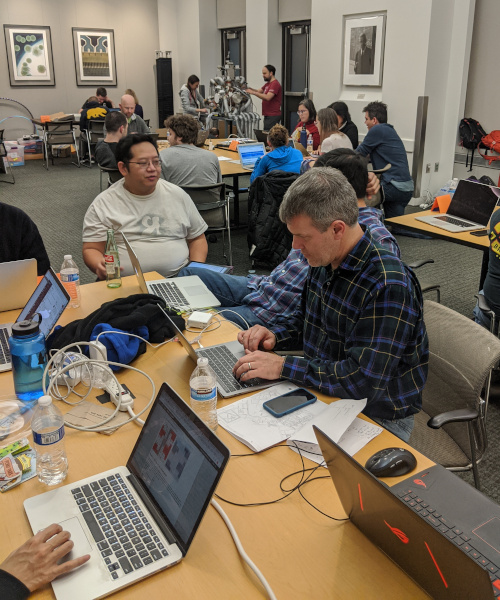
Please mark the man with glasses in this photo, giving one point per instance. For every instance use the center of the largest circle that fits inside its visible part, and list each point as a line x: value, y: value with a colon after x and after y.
x: 159, y: 219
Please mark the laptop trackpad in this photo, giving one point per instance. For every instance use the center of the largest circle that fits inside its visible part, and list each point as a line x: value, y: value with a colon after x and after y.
x: 78, y: 537
x: 195, y: 290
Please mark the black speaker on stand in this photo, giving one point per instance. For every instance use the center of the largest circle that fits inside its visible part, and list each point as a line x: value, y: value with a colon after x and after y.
x: 164, y: 88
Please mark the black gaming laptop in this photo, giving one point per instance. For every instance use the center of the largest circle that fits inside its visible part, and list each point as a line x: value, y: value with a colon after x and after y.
x: 426, y: 553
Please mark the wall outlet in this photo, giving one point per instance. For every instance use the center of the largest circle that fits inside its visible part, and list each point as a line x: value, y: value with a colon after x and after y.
x: 436, y: 167
x: 428, y: 168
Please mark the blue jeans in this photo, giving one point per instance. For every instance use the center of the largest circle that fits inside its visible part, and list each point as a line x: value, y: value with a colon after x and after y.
x: 401, y: 428
x: 230, y: 291
x: 480, y: 317
x: 395, y: 200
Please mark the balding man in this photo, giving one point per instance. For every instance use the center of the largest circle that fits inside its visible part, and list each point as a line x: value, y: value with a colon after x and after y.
x: 135, y: 123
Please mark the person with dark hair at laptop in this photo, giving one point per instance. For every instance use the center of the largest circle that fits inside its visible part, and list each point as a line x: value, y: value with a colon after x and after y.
x: 20, y: 238
x: 36, y: 563
x: 160, y: 220
x: 116, y: 128
x: 281, y: 157
x: 263, y: 299
x: 361, y: 314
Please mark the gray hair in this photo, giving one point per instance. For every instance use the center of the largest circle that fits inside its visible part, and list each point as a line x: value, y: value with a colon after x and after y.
x: 324, y: 195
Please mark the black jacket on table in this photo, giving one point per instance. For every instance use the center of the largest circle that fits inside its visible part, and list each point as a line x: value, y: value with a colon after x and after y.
x: 269, y: 240
x: 20, y: 238
x: 11, y: 588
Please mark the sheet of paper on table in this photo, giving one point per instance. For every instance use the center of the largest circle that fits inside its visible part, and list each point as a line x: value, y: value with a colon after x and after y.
x: 252, y: 425
x: 87, y: 414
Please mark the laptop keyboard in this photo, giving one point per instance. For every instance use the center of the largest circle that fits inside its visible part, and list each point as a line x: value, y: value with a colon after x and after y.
x: 126, y: 539
x: 4, y: 346
x: 448, y: 528
x: 170, y: 293
x: 454, y: 221
x: 222, y: 362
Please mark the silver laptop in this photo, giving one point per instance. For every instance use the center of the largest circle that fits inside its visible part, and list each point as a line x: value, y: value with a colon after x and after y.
x: 250, y: 153
x: 470, y: 208
x: 49, y: 300
x: 137, y: 520
x: 17, y: 282
x: 184, y: 293
x: 222, y: 358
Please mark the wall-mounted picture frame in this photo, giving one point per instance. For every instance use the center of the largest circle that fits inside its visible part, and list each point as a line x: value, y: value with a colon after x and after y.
x: 364, y: 40
x: 29, y: 55
x: 95, y: 60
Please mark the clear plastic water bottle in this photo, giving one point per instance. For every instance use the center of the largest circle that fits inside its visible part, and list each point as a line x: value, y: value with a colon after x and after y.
x: 48, y: 437
x: 310, y: 144
x: 203, y: 385
x: 29, y: 359
x: 70, y: 278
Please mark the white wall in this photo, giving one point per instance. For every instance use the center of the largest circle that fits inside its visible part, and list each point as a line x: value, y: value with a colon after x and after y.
x: 294, y: 10
x: 231, y: 13
x: 136, y: 39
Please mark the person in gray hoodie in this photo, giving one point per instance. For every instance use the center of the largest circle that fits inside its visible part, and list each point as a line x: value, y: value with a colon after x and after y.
x: 191, y: 99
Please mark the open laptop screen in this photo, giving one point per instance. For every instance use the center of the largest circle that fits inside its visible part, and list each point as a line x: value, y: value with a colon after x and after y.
x: 250, y: 153
x: 49, y: 300
x: 178, y: 462
x: 474, y: 201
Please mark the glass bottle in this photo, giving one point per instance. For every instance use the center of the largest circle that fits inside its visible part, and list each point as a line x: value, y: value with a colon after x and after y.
x: 112, y: 260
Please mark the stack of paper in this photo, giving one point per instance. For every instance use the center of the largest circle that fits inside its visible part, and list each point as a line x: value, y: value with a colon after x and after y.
x: 252, y: 425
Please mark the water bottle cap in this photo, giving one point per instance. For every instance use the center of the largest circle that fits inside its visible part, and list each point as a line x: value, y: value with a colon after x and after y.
x: 25, y: 328
x: 44, y: 400
x: 68, y: 257
x: 202, y: 361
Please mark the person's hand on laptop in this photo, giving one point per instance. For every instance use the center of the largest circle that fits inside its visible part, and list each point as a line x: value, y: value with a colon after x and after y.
x: 257, y: 337
x: 35, y: 562
x: 256, y: 363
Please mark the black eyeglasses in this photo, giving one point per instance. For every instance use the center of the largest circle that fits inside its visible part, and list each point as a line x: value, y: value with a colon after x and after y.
x: 144, y: 164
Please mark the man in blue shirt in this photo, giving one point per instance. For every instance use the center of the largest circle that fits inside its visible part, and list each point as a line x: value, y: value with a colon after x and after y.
x: 361, y: 313
x: 384, y: 146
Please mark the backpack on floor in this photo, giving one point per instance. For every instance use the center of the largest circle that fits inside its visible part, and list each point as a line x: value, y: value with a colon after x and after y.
x: 471, y: 134
x: 491, y: 142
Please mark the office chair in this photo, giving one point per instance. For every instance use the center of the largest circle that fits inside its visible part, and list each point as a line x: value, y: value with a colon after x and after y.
x: 427, y: 286
x: 5, y: 168
x: 114, y: 175
x: 89, y: 138
x: 451, y: 427
x: 484, y: 307
x: 213, y: 205
x: 59, y: 132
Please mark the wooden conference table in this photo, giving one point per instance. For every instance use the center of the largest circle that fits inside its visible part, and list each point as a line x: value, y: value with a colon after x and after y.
x: 466, y: 238
x: 302, y: 553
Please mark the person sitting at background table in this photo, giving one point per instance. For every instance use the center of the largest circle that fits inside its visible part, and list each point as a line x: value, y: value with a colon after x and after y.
x: 330, y: 135
x: 116, y: 128
x: 138, y: 108
x: 159, y: 219
x: 135, y: 123
x: 102, y: 96
x: 191, y: 99
x: 20, y: 238
x: 36, y: 563
x: 93, y: 111
x: 281, y: 157
x: 306, y: 125
x: 360, y: 318
x: 345, y: 123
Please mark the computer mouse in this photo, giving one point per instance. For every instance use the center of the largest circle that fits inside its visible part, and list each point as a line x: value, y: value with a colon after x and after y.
x: 391, y: 462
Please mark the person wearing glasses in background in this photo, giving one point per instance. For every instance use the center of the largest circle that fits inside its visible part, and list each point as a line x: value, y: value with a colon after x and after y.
x: 306, y: 125
x: 160, y: 220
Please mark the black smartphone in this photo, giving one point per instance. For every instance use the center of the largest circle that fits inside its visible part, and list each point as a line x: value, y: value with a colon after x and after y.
x: 479, y: 233
x: 287, y: 403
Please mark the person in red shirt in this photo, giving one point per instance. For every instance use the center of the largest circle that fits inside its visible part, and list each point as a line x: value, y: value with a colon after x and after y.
x: 270, y: 94
x: 306, y: 125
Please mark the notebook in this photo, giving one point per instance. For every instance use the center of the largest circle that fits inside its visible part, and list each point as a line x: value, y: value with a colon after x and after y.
x: 470, y: 208
x: 17, y: 282
x: 222, y: 358
x: 183, y: 293
x: 250, y: 153
x: 49, y: 300
x: 153, y: 506
x: 430, y: 558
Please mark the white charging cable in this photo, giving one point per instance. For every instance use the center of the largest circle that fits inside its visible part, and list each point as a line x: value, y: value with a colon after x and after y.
x: 241, y: 550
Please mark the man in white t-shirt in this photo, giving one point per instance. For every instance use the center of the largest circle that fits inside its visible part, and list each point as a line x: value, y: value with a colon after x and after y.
x: 159, y: 219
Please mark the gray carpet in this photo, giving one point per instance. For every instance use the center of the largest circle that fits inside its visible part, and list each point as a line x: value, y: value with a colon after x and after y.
x: 57, y: 200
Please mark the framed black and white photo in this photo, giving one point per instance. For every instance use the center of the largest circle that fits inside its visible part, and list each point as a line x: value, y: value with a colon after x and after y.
x: 95, y: 61
x: 364, y: 38
x: 29, y: 55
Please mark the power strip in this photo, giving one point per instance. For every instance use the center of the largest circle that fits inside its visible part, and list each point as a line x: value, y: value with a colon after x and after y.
x: 116, y: 391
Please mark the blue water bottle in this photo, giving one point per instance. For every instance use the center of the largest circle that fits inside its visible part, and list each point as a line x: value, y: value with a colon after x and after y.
x: 29, y: 359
